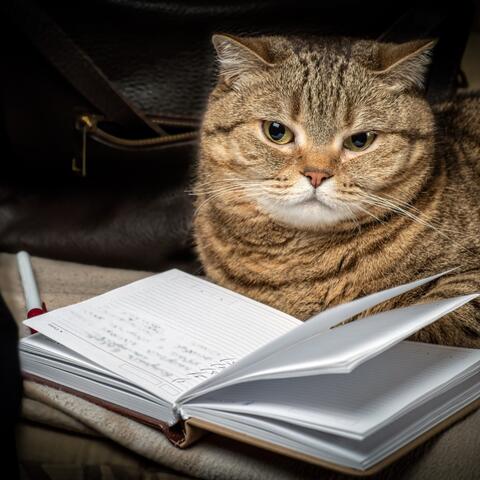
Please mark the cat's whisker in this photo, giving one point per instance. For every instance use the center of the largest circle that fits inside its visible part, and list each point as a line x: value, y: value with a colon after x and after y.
x: 387, y: 203
x: 213, y: 191
x: 396, y: 205
x: 388, y: 206
x: 209, y: 199
x: 218, y: 190
x: 201, y: 186
x: 225, y: 184
x: 401, y: 202
x: 395, y: 208
x: 226, y: 181
x: 370, y: 214
x: 225, y: 188
x: 408, y: 215
x: 352, y: 217
x: 226, y: 194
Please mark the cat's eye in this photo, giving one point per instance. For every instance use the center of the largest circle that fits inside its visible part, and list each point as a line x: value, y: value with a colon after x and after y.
x: 360, y: 141
x: 276, y: 132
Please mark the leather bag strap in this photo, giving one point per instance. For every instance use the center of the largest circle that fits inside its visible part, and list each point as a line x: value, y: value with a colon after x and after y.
x: 76, y: 66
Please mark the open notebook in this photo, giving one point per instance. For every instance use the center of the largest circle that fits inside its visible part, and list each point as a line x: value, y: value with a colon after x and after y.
x: 181, y: 353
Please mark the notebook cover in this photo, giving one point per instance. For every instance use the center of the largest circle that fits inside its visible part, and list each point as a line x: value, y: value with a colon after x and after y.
x: 180, y: 434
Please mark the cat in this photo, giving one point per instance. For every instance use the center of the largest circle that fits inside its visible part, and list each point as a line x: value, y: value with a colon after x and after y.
x: 324, y: 175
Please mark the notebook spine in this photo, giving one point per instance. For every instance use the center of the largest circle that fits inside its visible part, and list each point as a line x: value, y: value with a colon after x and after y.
x: 179, y: 434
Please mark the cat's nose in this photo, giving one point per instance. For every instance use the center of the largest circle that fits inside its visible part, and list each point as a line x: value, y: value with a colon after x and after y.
x: 317, y: 176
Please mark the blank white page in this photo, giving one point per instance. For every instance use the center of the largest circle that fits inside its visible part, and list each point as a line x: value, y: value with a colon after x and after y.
x: 338, y: 350
x: 166, y: 333
x: 354, y: 404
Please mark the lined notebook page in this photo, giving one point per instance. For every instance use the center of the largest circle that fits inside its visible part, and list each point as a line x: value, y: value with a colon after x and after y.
x: 166, y: 333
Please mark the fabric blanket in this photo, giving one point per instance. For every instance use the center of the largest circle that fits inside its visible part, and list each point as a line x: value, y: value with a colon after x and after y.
x: 453, y: 454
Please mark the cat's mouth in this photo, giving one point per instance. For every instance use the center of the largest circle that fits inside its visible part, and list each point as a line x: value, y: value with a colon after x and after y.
x: 316, y: 200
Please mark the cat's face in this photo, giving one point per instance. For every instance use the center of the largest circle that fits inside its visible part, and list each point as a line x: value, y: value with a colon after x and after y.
x: 317, y: 133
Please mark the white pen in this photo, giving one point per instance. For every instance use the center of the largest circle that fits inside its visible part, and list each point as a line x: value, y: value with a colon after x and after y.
x: 32, y: 297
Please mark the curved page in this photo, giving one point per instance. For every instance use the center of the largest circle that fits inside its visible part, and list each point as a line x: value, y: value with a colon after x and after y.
x: 300, y: 351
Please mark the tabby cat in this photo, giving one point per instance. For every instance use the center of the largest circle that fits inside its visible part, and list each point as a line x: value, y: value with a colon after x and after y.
x: 324, y: 175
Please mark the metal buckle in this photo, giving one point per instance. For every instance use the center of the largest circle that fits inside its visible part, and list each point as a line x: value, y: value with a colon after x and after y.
x: 84, y: 123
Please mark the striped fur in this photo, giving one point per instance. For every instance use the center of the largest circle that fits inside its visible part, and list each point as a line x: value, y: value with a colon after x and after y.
x: 417, y: 192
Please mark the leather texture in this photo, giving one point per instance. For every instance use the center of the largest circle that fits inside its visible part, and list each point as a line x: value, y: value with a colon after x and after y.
x: 125, y: 219
x: 131, y: 209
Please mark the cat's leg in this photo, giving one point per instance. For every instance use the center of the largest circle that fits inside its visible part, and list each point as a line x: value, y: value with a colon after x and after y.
x: 460, y: 328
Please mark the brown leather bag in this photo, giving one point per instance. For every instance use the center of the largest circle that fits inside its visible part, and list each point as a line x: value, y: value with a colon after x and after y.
x: 100, y: 104
x: 93, y: 177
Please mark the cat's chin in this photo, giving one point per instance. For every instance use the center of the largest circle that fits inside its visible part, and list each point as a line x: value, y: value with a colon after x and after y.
x: 312, y: 214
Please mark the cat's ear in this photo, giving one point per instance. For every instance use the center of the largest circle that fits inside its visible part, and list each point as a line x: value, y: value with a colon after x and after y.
x: 405, y: 65
x: 240, y: 55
